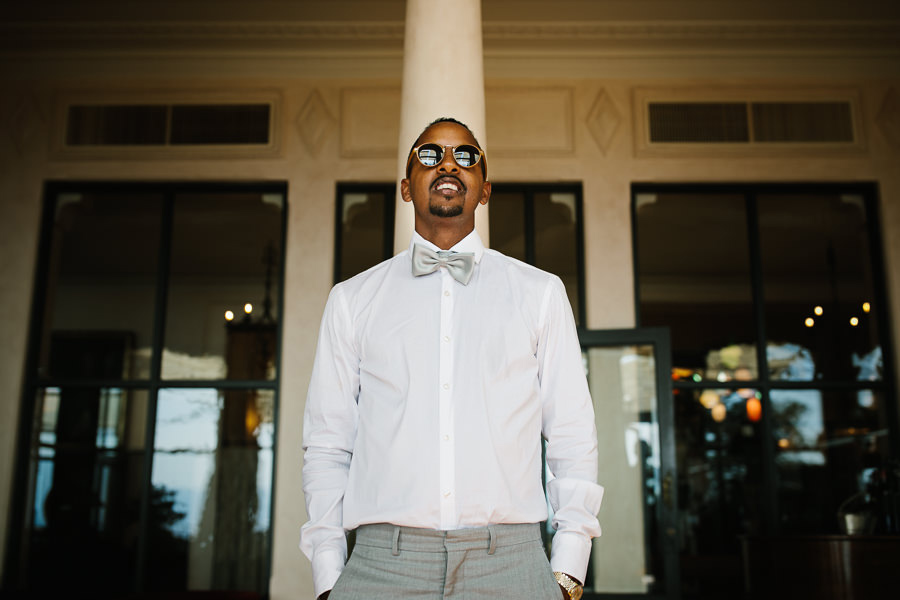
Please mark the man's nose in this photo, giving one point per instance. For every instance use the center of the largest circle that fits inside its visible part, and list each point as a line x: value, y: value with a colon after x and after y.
x: 448, y: 164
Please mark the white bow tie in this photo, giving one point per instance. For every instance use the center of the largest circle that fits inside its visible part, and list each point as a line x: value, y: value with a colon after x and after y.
x: 460, y: 265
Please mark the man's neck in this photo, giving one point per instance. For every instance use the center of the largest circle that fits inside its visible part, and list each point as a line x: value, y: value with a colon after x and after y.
x: 443, y: 237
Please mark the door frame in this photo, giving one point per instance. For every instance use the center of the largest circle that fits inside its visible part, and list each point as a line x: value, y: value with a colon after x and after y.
x: 668, y: 534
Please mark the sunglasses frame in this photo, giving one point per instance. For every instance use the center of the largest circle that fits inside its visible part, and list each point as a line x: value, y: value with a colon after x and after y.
x: 482, y: 157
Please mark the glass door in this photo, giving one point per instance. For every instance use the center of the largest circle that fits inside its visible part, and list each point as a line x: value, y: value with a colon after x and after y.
x: 628, y: 373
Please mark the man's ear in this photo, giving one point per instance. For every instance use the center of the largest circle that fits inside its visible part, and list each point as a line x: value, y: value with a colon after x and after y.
x: 404, y: 190
x: 485, y: 192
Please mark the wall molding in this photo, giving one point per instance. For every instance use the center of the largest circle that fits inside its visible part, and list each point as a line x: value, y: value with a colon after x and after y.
x: 550, y: 106
x: 68, y: 96
x: 642, y: 96
x: 285, y: 35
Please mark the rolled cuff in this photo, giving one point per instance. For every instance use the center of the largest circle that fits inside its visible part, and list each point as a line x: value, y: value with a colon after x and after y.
x: 570, y: 553
x: 327, y: 566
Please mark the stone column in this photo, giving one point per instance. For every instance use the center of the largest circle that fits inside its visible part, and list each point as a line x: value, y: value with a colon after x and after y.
x: 443, y: 76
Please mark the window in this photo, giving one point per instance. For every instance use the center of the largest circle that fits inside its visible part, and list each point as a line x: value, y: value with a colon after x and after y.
x: 148, y: 427
x: 775, y: 300
x: 364, y: 227
x: 541, y: 224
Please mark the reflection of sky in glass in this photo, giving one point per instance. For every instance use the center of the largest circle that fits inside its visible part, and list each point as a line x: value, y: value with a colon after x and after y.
x: 188, y: 476
x: 187, y: 420
x: 187, y: 433
x: 186, y: 441
x: 41, y: 489
x: 47, y: 437
x: 112, y: 404
x: 798, y: 416
x: 187, y: 436
x: 791, y: 362
x: 263, y: 489
x: 869, y: 365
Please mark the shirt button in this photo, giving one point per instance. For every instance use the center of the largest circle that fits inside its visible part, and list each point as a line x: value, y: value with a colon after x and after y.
x: 446, y: 338
x: 446, y: 292
x: 446, y: 386
x: 446, y: 438
x: 446, y: 494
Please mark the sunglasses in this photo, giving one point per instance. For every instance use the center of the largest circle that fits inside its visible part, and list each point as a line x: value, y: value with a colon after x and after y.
x: 465, y: 155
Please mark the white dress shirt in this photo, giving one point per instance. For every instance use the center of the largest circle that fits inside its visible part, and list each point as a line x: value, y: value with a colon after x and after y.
x: 427, y: 403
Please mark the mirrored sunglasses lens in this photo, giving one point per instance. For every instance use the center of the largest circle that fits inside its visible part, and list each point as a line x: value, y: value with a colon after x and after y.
x: 466, y: 155
x: 430, y: 154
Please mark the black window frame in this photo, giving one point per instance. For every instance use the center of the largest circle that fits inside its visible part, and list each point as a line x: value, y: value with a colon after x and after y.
x: 887, y: 385
x: 528, y: 191
x: 16, y: 563
x: 390, y: 194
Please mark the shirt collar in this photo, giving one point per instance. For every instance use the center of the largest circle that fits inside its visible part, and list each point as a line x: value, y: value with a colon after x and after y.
x: 470, y: 243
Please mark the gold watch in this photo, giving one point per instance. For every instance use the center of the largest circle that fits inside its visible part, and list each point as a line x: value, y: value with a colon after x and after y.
x: 572, y: 587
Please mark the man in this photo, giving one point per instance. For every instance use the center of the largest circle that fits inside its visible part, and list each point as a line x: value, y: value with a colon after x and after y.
x: 435, y: 377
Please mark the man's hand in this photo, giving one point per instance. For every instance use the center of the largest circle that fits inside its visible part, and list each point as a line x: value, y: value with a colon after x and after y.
x: 324, y: 596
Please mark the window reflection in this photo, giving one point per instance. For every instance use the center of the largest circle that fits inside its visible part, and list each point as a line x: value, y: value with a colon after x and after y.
x: 540, y: 225
x: 102, y: 272
x: 212, y: 482
x: 86, y: 467
x: 826, y: 443
x: 720, y: 476
x: 207, y: 279
x: 693, y: 266
x: 811, y: 293
x: 365, y: 227
x: 556, y: 240
x: 97, y: 514
x: 507, y: 223
x: 817, y: 279
x: 622, y: 381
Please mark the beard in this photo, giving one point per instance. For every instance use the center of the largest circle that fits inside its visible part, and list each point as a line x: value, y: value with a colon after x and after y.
x: 445, y: 210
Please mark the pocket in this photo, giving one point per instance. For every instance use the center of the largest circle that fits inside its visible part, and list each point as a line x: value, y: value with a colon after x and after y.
x: 338, y: 592
x: 551, y: 589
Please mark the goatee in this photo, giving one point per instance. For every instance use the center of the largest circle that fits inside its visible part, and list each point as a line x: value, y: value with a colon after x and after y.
x: 445, y: 210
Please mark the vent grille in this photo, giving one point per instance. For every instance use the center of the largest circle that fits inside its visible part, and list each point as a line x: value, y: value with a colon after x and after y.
x: 818, y: 122
x: 168, y: 124
x: 750, y: 122
x: 698, y: 122
x: 116, y: 125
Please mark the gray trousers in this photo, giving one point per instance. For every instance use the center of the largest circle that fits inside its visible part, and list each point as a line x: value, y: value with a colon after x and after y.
x: 486, y: 563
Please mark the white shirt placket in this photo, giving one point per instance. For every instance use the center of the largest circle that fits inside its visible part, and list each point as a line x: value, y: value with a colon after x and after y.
x: 445, y: 405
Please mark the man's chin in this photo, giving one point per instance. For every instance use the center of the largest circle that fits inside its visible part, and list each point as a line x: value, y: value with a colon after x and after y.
x: 445, y: 210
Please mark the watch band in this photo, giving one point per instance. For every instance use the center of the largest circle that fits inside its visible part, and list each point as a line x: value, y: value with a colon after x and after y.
x: 572, y: 587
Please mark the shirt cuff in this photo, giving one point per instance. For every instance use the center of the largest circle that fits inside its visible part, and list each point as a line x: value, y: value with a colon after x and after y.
x: 570, y: 553
x: 327, y: 567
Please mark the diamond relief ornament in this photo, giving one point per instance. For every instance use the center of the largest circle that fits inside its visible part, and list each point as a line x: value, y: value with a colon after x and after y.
x: 888, y: 118
x: 314, y: 122
x: 603, y: 120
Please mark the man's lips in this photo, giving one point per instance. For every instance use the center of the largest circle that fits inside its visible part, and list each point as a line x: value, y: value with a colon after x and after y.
x: 448, y: 185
